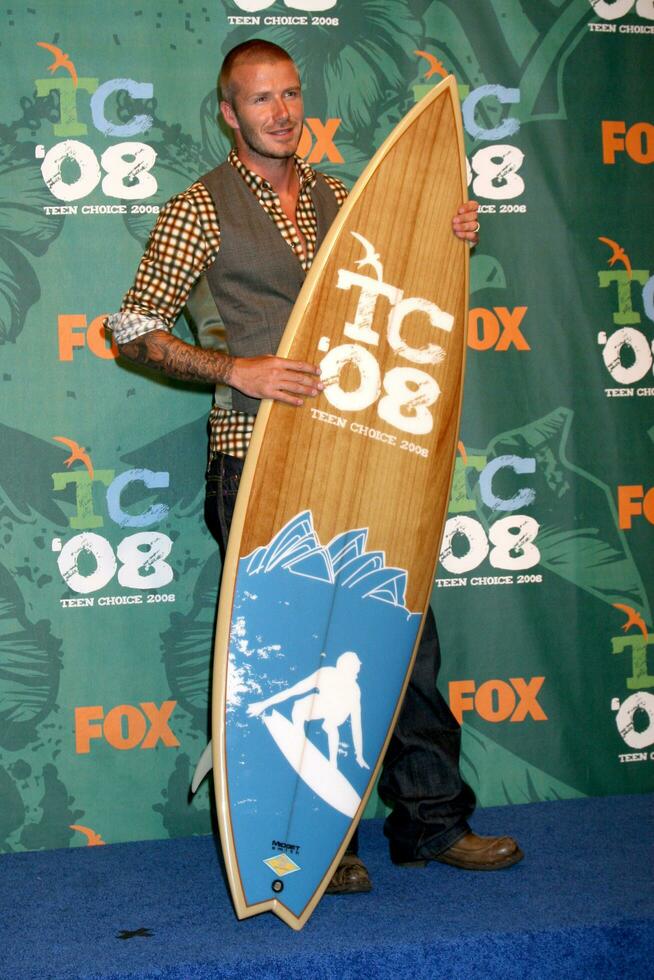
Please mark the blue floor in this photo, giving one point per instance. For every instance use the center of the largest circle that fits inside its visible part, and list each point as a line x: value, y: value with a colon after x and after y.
x: 581, y: 904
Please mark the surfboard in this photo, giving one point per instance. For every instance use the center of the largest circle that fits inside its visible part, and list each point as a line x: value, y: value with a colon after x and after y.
x: 335, y: 539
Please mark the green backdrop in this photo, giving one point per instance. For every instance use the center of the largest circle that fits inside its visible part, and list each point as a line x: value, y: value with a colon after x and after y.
x: 108, y: 577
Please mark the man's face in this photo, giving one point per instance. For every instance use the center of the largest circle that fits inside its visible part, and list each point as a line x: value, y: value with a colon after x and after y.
x: 267, y: 111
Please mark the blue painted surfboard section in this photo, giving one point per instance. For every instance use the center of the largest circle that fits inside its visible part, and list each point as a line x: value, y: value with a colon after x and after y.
x: 300, y: 605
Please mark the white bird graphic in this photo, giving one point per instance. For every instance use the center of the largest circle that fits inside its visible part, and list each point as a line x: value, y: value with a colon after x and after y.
x: 371, y: 257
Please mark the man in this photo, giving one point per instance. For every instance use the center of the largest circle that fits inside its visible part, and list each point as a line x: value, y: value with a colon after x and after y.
x: 251, y: 228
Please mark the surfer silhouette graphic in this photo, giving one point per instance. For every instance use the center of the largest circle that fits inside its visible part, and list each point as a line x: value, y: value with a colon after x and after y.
x: 336, y: 697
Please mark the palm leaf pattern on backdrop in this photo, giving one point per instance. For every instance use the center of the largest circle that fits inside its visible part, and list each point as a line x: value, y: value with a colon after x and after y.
x: 24, y: 226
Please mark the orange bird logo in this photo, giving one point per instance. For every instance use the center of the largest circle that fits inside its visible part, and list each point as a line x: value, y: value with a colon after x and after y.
x: 435, y: 66
x: 77, y: 452
x: 633, y: 618
x: 61, y: 60
x: 618, y: 254
x: 92, y: 839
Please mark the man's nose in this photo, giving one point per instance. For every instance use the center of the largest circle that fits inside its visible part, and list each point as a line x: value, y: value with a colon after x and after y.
x: 280, y: 109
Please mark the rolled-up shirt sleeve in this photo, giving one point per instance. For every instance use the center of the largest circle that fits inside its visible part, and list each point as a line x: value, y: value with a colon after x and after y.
x: 183, y: 243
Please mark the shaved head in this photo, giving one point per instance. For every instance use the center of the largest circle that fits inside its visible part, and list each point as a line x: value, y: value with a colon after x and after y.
x: 256, y: 50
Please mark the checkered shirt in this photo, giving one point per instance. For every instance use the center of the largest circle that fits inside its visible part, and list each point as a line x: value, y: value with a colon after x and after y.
x: 183, y: 244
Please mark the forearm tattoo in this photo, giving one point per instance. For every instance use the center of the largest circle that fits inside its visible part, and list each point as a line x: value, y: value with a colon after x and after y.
x: 173, y: 357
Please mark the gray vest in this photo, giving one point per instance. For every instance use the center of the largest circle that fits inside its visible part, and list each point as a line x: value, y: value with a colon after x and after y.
x: 256, y: 277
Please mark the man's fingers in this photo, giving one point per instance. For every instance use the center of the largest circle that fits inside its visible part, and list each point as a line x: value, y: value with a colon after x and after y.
x: 300, y: 366
x: 303, y: 383
x: 296, y: 378
x: 466, y: 216
x: 469, y: 224
x: 292, y: 393
x: 281, y: 396
x: 468, y: 206
x: 465, y: 223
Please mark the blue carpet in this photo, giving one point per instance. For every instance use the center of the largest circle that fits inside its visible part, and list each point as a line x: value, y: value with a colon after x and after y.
x: 581, y: 905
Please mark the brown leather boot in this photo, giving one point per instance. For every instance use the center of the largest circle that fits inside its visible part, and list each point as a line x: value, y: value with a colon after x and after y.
x: 350, y: 877
x: 470, y: 852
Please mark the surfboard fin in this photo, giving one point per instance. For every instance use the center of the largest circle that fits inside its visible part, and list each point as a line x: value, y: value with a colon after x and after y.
x: 204, y: 766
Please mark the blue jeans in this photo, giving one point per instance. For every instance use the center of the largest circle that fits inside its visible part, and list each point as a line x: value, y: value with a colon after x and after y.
x: 420, y: 779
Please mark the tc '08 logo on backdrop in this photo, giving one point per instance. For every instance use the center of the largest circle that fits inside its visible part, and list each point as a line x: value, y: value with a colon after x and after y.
x: 89, y: 562
x: 611, y: 16
x: 634, y: 708
x: 498, y: 545
x: 493, y: 169
x: 522, y: 481
x: 283, y: 13
x: 627, y: 342
x: 70, y: 167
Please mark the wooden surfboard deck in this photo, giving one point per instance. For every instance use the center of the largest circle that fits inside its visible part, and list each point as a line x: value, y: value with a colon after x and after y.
x: 335, y: 539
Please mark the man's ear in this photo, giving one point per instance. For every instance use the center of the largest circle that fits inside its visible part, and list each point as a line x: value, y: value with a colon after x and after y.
x: 228, y: 114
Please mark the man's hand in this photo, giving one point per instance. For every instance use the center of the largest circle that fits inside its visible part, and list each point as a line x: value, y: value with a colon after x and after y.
x: 276, y: 377
x: 465, y: 224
